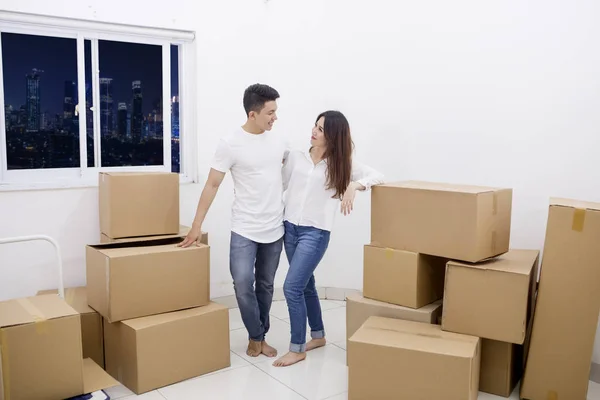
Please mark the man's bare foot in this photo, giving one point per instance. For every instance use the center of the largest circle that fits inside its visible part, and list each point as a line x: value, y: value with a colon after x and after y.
x: 315, y: 343
x: 268, y: 350
x: 289, y: 359
x: 254, y: 348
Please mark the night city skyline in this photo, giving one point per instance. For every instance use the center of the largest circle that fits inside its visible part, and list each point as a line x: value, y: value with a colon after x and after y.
x: 40, y: 95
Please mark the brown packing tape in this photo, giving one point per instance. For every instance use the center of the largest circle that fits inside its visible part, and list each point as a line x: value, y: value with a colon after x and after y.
x: 39, y: 319
x: 389, y: 253
x: 578, y: 219
x: 4, y: 365
x: 69, y: 296
x: 495, y: 204
x: 494, y: 239
x: 552, y: 395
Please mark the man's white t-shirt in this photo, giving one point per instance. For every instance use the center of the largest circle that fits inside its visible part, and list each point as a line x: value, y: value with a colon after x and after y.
x: 255, y: 162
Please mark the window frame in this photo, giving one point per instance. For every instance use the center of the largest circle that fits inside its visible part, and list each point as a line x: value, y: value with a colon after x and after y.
x: 80, y: 31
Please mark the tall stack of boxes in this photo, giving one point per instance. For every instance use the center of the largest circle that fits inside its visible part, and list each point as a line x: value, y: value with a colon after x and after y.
x: 147, y: 317
x: 432, y: 241
x: 160, y: 326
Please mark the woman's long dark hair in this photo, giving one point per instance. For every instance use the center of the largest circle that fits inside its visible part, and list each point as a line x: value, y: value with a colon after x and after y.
x: 339, y: 151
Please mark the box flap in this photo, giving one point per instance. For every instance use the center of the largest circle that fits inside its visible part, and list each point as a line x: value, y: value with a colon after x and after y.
x: 153, y: 320
x: 428, y: 309
x: 33, y: 309
x: 75, y: 297
x: 442, y: 187
x: 115, y: 250
x: 515, y: 262
x: 586, y: 205
x: 418, y: 336
x: 95, y: 378
x: 183, y: 231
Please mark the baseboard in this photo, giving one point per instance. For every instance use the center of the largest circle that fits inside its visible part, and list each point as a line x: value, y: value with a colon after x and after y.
x: 595, y: 373
x: 325, y: 293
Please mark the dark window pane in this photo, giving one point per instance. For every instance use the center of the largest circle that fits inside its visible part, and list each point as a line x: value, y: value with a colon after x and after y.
x: 175, y: 144
x: 40, y: 94
x: 131, y: 123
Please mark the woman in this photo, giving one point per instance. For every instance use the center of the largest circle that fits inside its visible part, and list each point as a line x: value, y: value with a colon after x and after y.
x: 317, y: 183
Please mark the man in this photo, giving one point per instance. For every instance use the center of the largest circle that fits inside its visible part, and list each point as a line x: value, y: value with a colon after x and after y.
x: 254, y: 156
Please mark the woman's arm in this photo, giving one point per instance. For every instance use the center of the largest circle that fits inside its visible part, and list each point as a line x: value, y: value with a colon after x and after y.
x: 363, y: 177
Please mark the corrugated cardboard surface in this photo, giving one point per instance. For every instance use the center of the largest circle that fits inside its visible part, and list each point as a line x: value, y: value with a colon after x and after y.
x: 501, y: 367
x: 457, y: 222
x: 491, y: 299
x: 401, y: 277
x: 152, y: 352
x: 568, y: 304
x: 138, y: 204
x: 359, y: 309
x: 40, y: 346
x: 183, y: 231
x: 91, y: 323
x: 131, y: 280
x: 396, y: 359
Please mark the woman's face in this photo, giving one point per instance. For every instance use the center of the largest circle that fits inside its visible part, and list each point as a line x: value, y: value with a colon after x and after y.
x: 318, y: 134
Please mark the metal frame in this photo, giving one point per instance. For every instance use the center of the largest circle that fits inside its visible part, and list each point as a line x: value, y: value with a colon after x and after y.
x: 19, y: 239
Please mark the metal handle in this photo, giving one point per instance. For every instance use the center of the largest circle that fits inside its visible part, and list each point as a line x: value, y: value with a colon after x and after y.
x: 61, y: 288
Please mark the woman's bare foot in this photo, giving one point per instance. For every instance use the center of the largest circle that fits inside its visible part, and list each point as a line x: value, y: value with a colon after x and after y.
x: 290, y: 358
x: 254, y: 348
x: 315, y: 343
x: 268, y: 350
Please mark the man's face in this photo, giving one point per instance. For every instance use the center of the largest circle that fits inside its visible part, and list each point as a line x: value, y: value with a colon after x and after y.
x: 266, y: 117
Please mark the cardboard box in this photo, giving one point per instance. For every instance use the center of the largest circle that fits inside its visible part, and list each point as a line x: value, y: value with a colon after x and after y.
x: 131, y: 280
x: 359, y: 309
x: 152, y: 352
x: 138, y: 204
x: 40, y: 351
x: 396, y: 359
x: 92, y: 335
x: 401, y: 277
x: 492, y: 299
x: 467, y: 223
x: 568, y: 304
x: 183, y: 231
x: 501, y: 367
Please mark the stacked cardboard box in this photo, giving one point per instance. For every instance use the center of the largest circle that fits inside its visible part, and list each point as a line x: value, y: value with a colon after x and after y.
x: 41, y: 351
x: 568, y: 304
x: 153, y: 295
x: 430, y: 240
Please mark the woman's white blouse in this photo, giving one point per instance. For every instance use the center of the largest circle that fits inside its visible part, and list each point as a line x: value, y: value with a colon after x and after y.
x: 307, y: 201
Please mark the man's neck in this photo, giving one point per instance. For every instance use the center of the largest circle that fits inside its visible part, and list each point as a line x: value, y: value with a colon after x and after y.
x: 251, y: 128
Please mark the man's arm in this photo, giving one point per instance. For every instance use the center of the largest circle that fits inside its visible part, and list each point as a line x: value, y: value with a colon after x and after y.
x: 206, y: 198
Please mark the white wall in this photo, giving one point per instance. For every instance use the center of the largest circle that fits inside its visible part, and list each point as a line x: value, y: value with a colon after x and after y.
x: 501, y: 93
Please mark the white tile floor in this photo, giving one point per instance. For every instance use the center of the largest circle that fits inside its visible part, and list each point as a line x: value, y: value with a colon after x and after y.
x: 323, y: 376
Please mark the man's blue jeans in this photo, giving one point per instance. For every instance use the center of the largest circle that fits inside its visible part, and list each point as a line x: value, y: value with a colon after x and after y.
x: 251, y: 262
x: 304, y: 247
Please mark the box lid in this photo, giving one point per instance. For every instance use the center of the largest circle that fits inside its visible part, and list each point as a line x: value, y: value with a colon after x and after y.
x: 117, y: 174
x: 442, y: 187
x: 76, y: 297
x: 95, y: 378
x: 33, y: 309
x: 428, y: 309
x: 183, y: 231
x: 514, y: 261
x: 134, y: 248
x: 586, y: 205
x: 154, y: 320
x: 409, y: 335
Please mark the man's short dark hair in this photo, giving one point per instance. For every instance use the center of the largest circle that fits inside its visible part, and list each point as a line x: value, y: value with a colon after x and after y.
x: 257, y: 95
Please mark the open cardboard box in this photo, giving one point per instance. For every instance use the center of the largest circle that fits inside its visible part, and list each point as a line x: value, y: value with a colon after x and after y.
x: 41, y: 351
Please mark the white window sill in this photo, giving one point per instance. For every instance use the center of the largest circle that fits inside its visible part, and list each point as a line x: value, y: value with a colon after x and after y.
x: 64, y: 185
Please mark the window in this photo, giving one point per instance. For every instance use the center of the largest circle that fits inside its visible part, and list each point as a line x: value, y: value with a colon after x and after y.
x: 82, y: 97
